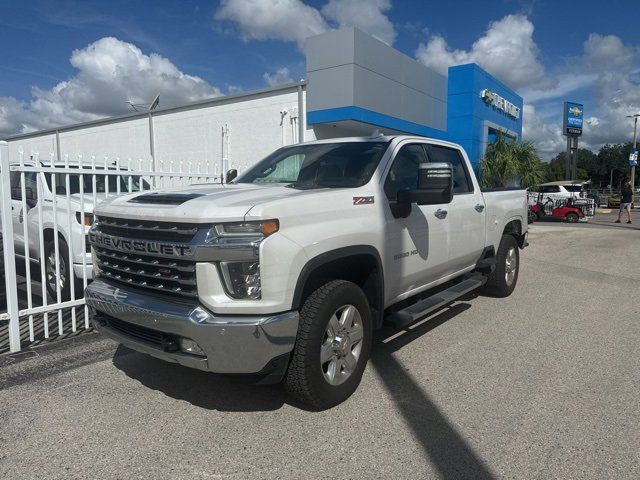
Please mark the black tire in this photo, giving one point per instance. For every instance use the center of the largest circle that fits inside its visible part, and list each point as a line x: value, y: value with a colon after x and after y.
x: 66, y: 271
x: 540, y: 215
x: 497, y: 284
x: 305, y: 378
x: 572, y: 217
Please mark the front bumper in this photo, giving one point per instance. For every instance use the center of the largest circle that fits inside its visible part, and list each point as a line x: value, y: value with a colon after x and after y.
x: 151, y: 324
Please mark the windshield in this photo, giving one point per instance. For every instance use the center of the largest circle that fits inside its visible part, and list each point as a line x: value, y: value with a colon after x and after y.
x: 573, y: 188
x: 102, y: 181
x: 333, y: 165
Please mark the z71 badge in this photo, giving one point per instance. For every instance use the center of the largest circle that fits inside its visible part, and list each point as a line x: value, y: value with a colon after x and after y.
x: 362, y: 200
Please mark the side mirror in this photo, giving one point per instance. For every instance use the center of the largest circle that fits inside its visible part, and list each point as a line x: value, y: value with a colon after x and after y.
x: 31, y: 199
x: 231, y: 175
x: 435, y: 185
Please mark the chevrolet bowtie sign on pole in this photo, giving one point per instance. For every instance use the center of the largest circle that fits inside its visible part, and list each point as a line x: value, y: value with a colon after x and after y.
x: 573, y: 116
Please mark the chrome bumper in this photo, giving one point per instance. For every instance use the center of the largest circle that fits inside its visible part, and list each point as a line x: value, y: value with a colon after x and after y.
x: 231, y: 344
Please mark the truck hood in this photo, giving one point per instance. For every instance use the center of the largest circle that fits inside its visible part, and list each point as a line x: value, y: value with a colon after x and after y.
x: 74, y: 201
x: 195, y: 203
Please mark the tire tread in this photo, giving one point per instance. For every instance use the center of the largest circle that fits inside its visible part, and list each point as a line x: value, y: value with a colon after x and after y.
x: 296, y: 382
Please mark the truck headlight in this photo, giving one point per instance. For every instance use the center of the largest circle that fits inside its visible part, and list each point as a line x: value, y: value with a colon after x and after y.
x: 88, y: 218
x: 242, y: 279
x: 242, y: 230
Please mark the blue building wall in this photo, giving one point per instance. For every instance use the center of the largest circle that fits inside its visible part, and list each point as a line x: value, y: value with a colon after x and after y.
x: 470, y: 120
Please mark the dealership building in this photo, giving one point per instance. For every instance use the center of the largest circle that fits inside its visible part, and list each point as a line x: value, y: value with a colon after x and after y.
x: 355, y: 85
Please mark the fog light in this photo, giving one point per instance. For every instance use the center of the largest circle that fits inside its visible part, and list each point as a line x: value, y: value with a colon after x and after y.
x: 189, y: 346
x: 242, y: 279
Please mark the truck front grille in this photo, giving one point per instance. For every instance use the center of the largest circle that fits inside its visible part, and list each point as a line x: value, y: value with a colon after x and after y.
x: 147, y: 230
x: 144, y: 269
x: 165, y: 275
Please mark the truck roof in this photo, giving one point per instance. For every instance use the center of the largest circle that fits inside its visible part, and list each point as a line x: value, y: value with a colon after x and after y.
x: 381, y: 138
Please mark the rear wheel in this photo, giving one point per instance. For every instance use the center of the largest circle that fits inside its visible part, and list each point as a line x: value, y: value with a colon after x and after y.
x: 332, y: 345
x: 572, y: 217
x: 502, y: 281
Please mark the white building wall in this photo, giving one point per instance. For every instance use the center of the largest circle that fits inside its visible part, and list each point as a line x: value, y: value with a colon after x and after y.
x: 125, y: 139
x: 184, y: 137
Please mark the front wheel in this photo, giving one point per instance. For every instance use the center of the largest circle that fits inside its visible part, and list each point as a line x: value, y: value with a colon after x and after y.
x: 332, y: 345
x: 64, y: 275
x: 503, y: 279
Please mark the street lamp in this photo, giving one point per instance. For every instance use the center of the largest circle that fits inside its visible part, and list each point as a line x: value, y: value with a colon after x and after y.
x: 635, y: 141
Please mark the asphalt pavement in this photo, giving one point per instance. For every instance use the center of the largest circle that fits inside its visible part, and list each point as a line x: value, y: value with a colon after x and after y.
x: 543, y: 384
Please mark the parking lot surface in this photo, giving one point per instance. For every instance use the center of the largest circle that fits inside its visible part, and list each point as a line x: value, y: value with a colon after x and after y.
x: 543, y: 384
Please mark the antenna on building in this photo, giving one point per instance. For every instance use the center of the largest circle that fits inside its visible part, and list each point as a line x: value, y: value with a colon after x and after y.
x: 143, y: 106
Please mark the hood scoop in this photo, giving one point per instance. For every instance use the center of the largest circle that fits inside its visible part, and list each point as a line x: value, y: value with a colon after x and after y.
x: 157, y: 198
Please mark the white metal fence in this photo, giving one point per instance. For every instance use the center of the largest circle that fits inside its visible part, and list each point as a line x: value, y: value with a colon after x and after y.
x: 46, y: 212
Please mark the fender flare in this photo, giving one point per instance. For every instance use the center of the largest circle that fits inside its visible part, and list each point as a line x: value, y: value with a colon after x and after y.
x: 332, y: 255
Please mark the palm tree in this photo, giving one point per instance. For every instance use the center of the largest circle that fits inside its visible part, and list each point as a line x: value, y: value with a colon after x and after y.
x: 510, y: 162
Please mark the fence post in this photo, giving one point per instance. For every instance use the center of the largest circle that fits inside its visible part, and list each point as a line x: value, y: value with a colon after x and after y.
x: 9, y: 250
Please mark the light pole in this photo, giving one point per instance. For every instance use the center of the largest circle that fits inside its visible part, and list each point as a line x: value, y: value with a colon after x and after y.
x: 152, y: 106
x: 635, y: 141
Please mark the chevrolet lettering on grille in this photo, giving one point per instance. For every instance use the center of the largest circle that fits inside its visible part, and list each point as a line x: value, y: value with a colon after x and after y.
x: 139, y: 246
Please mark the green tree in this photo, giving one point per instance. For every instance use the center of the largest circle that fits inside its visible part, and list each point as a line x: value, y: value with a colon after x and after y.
x: 587, y: 166
x: 509, y: 163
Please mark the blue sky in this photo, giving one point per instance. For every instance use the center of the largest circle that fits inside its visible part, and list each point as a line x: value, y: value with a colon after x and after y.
x: 545, y: 49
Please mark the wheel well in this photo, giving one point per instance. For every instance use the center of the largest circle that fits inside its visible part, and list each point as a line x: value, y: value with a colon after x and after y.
x: 48, y: 233
x: 363, y: 269
x: 514, y: 227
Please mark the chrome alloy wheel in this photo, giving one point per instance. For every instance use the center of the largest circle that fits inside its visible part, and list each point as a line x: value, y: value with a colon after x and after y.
x: 341, y: 345
x: 511, y: 266
x: 51, y: 271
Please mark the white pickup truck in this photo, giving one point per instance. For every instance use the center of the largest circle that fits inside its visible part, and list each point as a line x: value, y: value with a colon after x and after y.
x: 44, y: 214
x: 285, y: 271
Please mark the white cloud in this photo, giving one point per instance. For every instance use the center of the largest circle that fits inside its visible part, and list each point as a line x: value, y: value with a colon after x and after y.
x: 564, y: 84
x: 278, y: 77
x: 289, y: 20
x: 295, y: 21
x: 506, y: 50
x: 367, y: 15
x: 546, y: 136
x: 608, y: 70
x: 110, y: 72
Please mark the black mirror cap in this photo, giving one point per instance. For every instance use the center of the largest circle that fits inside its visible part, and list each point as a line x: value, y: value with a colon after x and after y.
x: 231, y: 175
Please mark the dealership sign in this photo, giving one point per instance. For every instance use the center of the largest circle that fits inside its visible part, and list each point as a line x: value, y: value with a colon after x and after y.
x: 572, y: 119
x: 491, y: 98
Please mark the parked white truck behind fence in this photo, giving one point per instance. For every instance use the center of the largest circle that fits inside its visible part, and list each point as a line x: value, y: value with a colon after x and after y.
x: 284, y: 272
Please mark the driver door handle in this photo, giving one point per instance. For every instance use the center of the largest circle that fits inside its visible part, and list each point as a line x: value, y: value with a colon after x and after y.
x: 441, y: 213
x: 479, y: 208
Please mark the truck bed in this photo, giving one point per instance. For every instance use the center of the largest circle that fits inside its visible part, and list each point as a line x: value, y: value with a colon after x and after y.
x: 503, y: 205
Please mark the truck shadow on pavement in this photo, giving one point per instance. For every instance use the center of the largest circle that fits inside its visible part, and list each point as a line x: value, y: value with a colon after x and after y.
x: 443, y: 446
x: 202, y: 389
